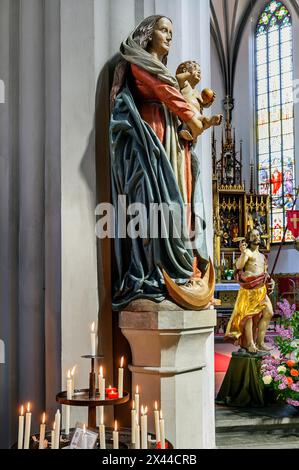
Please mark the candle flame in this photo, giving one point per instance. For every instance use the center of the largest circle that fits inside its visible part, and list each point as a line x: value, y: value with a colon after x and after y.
x: 28, y: 407
x: 115, y: 426
x: 110, y: 386
x: 22, y: 410
x: 156, y: 405
x: 69, y: 374
x: 142, y: 410
x: 44, y: 418
x: 161, y: 415
x: 137, y: 389
x: 92, y: 328
x: 122, y: 362
x: 73, y: 370
x: 84, y: 428
x: 101, y: 371
x: 145, y: 410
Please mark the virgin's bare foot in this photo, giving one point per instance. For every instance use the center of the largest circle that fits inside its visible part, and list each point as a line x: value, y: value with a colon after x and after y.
x: 186, y: 135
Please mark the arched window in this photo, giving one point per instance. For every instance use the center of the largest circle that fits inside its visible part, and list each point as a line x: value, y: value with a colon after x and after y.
x: 275, y: 113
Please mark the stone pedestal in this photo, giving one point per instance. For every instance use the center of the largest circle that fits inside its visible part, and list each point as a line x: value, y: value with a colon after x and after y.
x: 173, y: 363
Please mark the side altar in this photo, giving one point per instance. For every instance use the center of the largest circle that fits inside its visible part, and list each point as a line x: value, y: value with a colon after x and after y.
x: 236, y: 211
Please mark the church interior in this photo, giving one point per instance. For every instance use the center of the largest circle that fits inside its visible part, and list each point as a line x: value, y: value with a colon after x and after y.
x: 59, y: 330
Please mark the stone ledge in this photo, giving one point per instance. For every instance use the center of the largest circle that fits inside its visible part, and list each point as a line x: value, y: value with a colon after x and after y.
x: 167, y: 320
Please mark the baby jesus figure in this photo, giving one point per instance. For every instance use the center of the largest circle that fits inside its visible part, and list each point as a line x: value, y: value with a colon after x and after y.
x: 188, y: 75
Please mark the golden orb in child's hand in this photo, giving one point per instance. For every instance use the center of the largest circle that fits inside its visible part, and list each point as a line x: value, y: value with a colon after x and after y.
x: 207, y: 95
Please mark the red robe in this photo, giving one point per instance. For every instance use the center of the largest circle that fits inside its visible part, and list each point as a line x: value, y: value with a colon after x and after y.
x: 149, y: 93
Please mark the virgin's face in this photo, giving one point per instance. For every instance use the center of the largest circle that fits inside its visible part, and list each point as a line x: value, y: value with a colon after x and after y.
x: 162, y: 37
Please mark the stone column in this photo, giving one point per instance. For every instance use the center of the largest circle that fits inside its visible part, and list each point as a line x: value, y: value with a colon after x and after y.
x: 173, y: 363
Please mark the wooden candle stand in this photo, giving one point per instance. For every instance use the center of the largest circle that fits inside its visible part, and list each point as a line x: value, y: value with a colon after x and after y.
x: 91, y: 397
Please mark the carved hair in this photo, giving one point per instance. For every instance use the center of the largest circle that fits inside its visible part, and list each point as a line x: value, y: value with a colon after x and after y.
x: 188, y: 66
x: 141, y: 36
x: 145, y: 30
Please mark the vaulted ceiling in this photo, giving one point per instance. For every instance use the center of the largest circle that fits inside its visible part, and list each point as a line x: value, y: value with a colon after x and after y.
x: 228, y: 22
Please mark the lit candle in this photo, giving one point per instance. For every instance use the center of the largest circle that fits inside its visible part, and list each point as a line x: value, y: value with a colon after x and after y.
x: 102, y: 432
x: 157, y: 424
x: 57, y: 429
x: 21, y: 429
x: 110, y: 389
x: 102, y: 385
x: 93, y: 339
x: 121, y: 379
x: 27, y: 427
x: 42, y: 432
x: 115, y: 437
x: 73, y: 378
x: 137, y: 435
x: 112, y: 395
x: 100, y: 378
x: 162, y: 430
x: 133, y: 424
x: 144, y: 427
x: 137, y: 398
x: 84, y: 438
x: 69, y: 388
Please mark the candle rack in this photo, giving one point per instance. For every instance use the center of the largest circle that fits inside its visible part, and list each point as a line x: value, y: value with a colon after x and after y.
x: 90, y: 397
x: 124, y: 440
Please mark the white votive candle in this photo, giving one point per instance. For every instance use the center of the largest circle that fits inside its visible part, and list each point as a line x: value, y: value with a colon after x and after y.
x: 42, y: 432
x: 121, y: 379
x: 27, y: 427
x: 115, y: 437
x: 157, y: 423
x: 73, y: 378
x: 69, y: 392
x: 137, y: 403
x: 53, y: 437
x: 21, y: 429
x: 133, y: 424
x: 137, y: 436
x: 57, y: 429
x: 102, y: 432
x: 162, y: 430
x: 143, y: 427
x: 93, y: 339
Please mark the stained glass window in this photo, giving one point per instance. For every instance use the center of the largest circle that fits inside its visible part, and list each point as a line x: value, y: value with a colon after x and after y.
x: 275, y: 113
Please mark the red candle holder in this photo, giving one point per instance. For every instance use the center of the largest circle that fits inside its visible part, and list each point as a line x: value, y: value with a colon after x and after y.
x: 158, y: 445
x: 110, y: 389
x: 112, y: 395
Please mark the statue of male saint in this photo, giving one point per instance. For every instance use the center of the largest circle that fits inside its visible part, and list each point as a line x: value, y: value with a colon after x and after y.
x: 253, y: 309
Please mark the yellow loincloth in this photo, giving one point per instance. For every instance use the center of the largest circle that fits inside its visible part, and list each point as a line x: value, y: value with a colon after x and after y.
x: 250, y: 302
